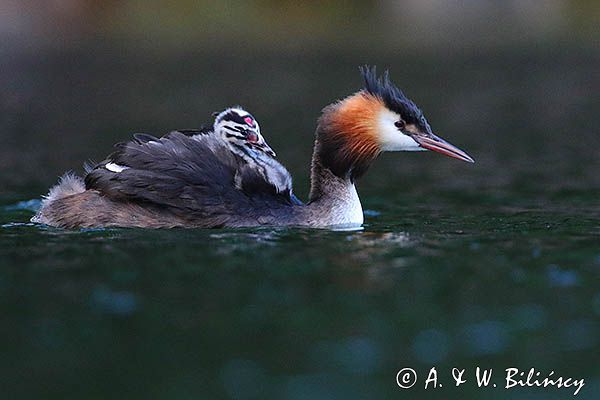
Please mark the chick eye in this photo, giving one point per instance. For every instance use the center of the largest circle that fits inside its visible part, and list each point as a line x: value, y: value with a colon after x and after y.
x: 400, y: 124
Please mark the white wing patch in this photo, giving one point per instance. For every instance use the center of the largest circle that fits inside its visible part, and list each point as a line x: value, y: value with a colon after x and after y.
x: 112, y: 167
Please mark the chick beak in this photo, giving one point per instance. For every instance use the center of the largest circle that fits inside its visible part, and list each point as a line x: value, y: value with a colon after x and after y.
x: 258, y: 142
x: 265, y: 147
x: 432, y: 142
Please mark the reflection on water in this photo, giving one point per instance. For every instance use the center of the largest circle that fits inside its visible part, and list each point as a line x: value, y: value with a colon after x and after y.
x: 297, y: 313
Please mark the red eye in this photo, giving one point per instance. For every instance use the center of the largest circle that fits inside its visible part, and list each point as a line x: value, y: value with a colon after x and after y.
x: 249, y: 121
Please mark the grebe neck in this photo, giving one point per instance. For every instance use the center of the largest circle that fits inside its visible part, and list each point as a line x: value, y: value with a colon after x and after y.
x: 333, y: 198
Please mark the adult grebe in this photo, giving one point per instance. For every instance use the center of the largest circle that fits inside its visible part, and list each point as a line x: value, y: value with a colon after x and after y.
x: 195, y: 181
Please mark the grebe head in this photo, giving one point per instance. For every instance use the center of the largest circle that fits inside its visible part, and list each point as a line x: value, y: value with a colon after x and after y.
x: 237, y: 126
x: 378, y: 118
x: 401, y: 125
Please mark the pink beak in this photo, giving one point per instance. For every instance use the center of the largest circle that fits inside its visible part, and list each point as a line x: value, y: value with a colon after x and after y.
x: 437, y: 144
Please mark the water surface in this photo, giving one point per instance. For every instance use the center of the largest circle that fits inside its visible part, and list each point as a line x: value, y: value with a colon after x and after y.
x: 495, y: 264
x: 292, y: 313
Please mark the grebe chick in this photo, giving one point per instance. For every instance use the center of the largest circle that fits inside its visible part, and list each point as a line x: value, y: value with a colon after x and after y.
x: 239, y: 130
x: 191, y: 181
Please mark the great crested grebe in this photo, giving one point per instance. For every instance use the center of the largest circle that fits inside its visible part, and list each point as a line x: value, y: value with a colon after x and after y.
x: 236, y: 127
x: 197, y: 181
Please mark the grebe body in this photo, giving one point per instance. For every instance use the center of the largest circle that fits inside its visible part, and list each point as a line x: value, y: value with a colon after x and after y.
x: 203, y: 180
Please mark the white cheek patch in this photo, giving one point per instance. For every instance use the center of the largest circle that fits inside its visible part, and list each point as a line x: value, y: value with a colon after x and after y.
x: 112, y: 167
x: 390, y: 138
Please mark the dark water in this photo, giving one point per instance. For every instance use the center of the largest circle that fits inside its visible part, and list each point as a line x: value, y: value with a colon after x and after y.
x: 495, y: 264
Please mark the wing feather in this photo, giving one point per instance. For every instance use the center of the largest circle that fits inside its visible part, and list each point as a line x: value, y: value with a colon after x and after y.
x: 192, y: 177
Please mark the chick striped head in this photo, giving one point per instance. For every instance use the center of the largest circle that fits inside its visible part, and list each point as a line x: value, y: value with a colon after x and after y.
x: 238, y: 127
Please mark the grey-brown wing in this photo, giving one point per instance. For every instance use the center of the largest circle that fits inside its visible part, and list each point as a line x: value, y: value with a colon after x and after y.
x: 192, y: 177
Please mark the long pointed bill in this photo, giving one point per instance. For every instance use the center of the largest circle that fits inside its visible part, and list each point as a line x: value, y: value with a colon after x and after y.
x: 437, y: 144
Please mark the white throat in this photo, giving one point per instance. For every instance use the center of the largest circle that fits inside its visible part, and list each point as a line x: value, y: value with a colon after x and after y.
x: 354, y: 212
x: 344, y: 209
